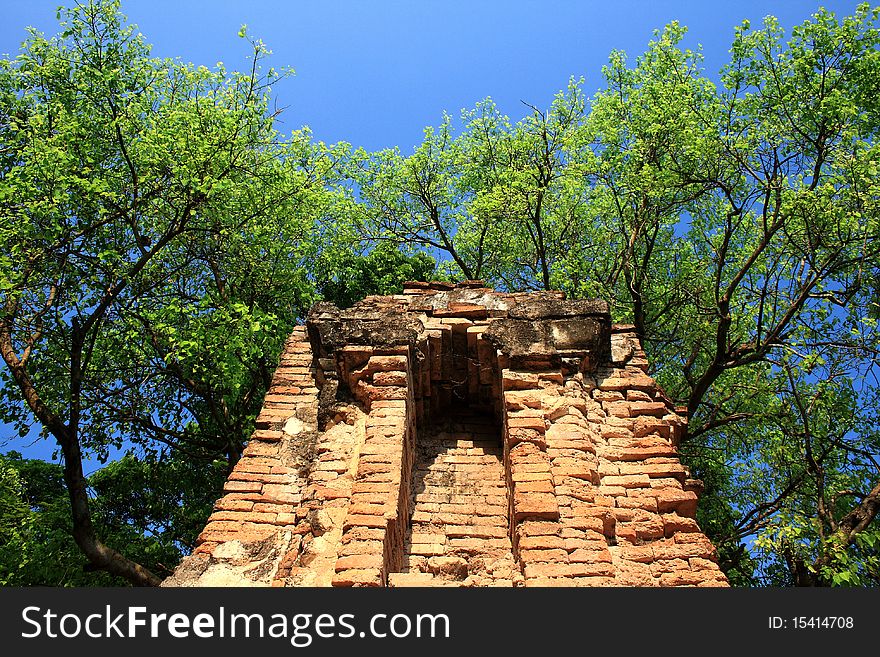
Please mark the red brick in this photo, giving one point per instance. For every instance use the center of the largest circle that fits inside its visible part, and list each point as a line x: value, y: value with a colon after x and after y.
x: 644, y: 502
x: 519, y: 380
x: 267, y: 435
x: 243, y: 486
x: 229, y: 503
x: 536, y: 423
x: 548, y: 556
x: 368, y: 509
x: 681, y: 578
x: 539, y: 485
x: 386, y: 363
x: 362, y: 533
x: 640, y: 553
x: 475, y: 531
x: 540, y: 543
x: 625, y: 380
x: 367, y: 577
x: 245, y: 465
x: 657, y: 409
x: 371, y: 521
x: 389, y: 379
x: 518, y: 399
x: 359, y: 562
x: 627, y: 481
x: 278, y: 493
x: 583, y: 555
x: 640, y: 453
x: 646, y: 426
x: 537, y: 528
x: 327, y: 493
x: 534, y: 505
x: 674, y: 523
x: 681, y: 501
x: 617, y: 409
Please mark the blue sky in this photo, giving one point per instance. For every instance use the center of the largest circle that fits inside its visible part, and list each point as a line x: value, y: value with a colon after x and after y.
x: 376, y: 73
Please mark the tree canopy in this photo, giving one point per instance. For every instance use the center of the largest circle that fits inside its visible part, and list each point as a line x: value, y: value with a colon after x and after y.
x: 152, y: 221
x: 160, y: 238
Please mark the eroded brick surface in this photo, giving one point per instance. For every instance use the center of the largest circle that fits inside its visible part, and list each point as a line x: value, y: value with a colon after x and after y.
x: 455, y: 436
x: 254, y: 526
x: 459, y: 533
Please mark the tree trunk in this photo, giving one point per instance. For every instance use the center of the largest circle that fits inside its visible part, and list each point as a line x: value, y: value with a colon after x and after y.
x: 100, y: 556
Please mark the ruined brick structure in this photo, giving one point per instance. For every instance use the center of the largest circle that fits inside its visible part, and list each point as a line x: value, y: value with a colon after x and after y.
x: 457, y: 436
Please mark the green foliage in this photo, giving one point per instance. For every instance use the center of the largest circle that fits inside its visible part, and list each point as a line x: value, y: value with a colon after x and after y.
x: 152, y: 509
x: 154, y: 231
x: 502, y: 200
x: 14, y: 509
x: 35, y: 543
x: 350, y: 277
x: 152, y: 222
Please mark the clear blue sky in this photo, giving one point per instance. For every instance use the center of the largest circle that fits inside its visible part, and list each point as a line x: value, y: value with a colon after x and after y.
x: 376, y: 73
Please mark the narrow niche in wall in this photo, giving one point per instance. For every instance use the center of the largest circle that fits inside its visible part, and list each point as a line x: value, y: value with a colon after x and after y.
x: 458, y: 531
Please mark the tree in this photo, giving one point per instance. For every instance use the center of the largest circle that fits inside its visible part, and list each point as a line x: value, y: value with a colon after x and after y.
x: 151, y: 508
x: 502, y: 201
x: 35, y: 542
x: 149, y: 214
x: 787, y: 230
x: 753, y: 221
x: 347, y: 277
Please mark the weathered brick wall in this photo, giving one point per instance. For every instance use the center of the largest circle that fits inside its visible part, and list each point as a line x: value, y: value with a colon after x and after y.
x: 456, y: 436
x: 600, y: 497
x: 255, y: 523
x: 459, y: 525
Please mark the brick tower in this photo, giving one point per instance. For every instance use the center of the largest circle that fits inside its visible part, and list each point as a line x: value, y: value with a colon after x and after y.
x: 457, y: 436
